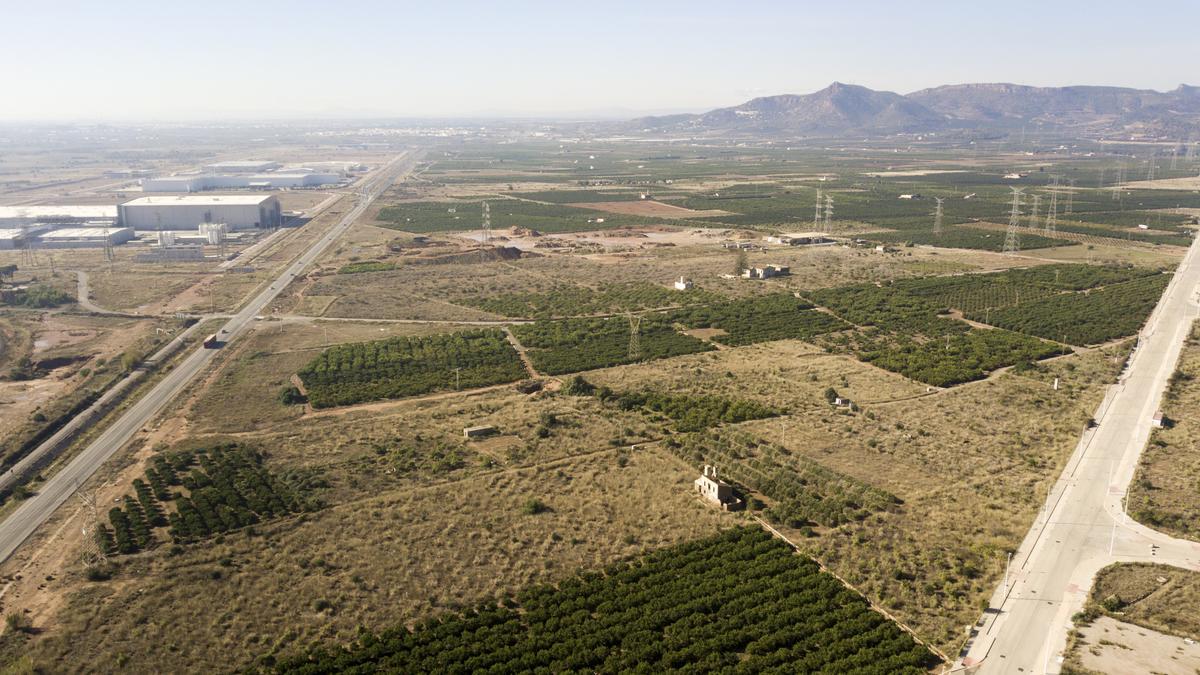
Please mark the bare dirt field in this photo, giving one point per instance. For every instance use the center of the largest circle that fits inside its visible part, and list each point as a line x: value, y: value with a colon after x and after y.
x: 649, y: 208
x: 1188, y: 183
x: 1116, y: 648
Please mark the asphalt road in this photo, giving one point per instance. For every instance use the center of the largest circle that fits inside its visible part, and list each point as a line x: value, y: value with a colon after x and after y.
x: 37, y: 509
x: 1083, y: 526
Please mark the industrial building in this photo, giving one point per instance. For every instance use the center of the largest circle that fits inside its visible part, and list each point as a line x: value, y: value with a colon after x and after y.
x: 238, y: 212
x: 266, y: 181
x: 242, y: 166
x: 11, y: 239
x: 97, y: 215
x: 84, y: 237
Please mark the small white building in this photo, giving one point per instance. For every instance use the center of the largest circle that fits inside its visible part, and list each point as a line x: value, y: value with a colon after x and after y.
x: 1159, y: 420
x: 766, y: 272
x: 481, y: 431
x: 912, y: 196
x: 716, y: 490
x: 683, y: 284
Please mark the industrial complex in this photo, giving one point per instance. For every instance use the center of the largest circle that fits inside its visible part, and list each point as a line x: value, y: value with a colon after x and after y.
x: 239, y: 212
x: 255, y: 174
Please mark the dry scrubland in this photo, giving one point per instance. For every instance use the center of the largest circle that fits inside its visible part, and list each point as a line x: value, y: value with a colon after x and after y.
x: 418, y: 521
x: 971, y: 477
x: 1165, y: 493
x: 397, y: 556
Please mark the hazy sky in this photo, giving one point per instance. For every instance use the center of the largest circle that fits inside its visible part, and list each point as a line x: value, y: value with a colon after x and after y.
x: 170, y: 59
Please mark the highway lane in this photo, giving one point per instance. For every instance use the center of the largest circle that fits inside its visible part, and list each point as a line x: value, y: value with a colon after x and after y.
x: 1083, y: 526
x: 35, y: 510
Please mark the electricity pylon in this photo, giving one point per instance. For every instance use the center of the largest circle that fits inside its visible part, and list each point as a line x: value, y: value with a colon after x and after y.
x: 635, y: 326
x: 1012, y: 240
x: 1033, y: 212
x: 1052, y: 214
x: 817, y: 211
x: 937, y: 215
x: 828, y: 214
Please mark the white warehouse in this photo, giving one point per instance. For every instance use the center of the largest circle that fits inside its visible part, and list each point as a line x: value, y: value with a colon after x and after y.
x: 239, y: 212
x: 267, y: 181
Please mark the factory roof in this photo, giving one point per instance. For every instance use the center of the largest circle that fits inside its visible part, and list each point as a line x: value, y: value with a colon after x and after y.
x: 68, y: 211
x: 83, y: 232
x: 245, y: 163
x: 201, y: 200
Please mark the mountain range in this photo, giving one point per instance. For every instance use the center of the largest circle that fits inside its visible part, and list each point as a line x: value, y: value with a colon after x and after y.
x: 842, y: 109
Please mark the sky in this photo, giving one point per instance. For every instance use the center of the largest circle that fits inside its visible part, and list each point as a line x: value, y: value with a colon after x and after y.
x: 115, y: 60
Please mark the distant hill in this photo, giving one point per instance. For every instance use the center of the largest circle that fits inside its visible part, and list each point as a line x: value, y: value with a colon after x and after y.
x: 838, y: 108
x: 842, y: 109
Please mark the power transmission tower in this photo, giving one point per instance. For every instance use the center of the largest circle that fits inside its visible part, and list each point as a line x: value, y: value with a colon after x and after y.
x: 1175, y: 156
x: 1150, y: 171
x: 108, y: 249
x: 1052, y: 214
x: 1012, y: 240
x: 817, y: 212
x: 828, y: 214
x: 1100, y: 183
x: 1033, y: 212
x: 487, y: 224
x: 1070, y: 195
x: 486, y: 236
x: 93, y: 553
x: 635, y: 327
x: 937, y: 215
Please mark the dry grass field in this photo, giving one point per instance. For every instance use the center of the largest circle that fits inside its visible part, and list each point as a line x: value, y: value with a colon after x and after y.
x: 396, y: 556
x: 1164, y: 493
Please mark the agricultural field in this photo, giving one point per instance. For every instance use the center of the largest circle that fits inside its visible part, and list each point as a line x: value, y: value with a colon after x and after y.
x: 802, y: 494
x: 905, y: 334
x: 574, y: 345
x: 737, y: 600
x: 426, y: 217
x: 1165, y: 494
x: 227, y: 489
x: 973, y: 293
x: 760, y: 319
x: 397, y: 367
x: 687, y: 413
x: 965, y: 237
x: 1085, y: 318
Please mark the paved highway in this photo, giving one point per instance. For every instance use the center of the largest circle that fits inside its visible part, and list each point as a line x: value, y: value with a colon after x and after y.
x: 1083, y: 526
x: 35, y: 510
